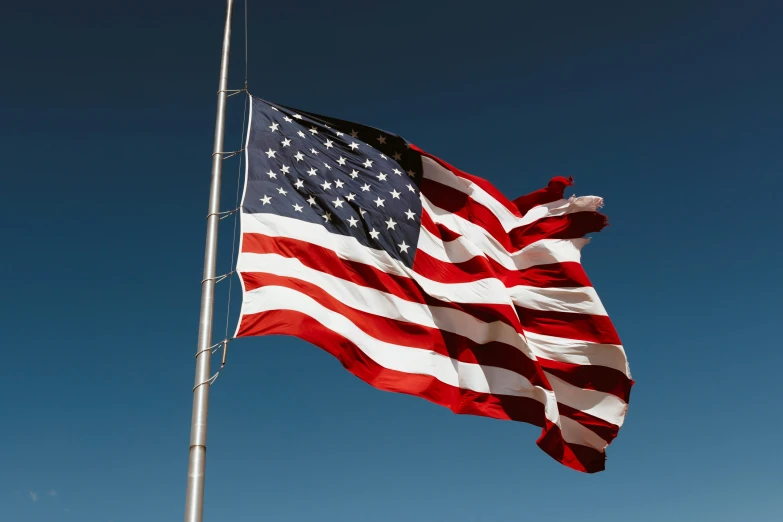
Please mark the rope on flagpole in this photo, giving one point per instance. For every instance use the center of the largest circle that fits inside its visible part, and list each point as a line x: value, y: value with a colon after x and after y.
x: 236, y: 206
x: 246, y: 45
x: 223, y: 215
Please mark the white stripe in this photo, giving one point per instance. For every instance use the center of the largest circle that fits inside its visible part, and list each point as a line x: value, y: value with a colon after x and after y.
x: 575, y: 433
x: 578, y: 352
x: 579, y: 300
x: 436, y: 172
x: 599, y: 404
x: 543, y: 251
x: 483, y: 291
x: 468, y: 376
x: 345, y: 247
x: 553, y: 348
x: 386, y: 305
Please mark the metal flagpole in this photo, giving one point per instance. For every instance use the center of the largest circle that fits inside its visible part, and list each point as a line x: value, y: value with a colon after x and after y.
x: 194, y: 500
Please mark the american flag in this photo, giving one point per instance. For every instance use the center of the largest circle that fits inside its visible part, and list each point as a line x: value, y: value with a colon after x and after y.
x: 425, y: 280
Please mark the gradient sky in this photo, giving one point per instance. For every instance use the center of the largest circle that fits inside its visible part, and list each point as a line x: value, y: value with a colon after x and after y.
x: 671, y: 111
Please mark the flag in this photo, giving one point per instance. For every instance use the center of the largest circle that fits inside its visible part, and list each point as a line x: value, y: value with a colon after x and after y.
x: 423, y: 279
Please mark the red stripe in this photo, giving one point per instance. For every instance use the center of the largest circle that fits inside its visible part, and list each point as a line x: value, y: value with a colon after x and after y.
x: 585, y: 327
x: 414, y: 335
x: 436, y: 229
x: 591, y: 377
x: 460, y: 204
x: 523, y: 409
x: 417, y: 336
x: 485, y: 185
x: 553, y: 191
x: 555, y: 275
x: 567, y: 226
x: 604, y: 429
x: 327, y: 261
x: 575, y: 456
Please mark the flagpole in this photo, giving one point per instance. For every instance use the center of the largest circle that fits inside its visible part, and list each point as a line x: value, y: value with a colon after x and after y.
x: 194, y: 500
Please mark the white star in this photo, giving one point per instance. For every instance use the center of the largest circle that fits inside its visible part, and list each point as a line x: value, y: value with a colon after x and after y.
x: 299, y: 156
x: 397, y: 156
x: 381, y: 140
x: 384, y: 157
x: 286, y: 118
x: 350, y: 197
x: 410, y: 214
x: 354, y: 134
x: 296, y: 116
x: 365, y: 188
x: 382, y: 176
x: 338, y: 203
x: 327, y: 166
x: 411, y: 173
x: 270, y: 153
x: 297, y: 207
x: 354, y: 174
x: 326, y: 185
x: 285, y: 169
x: 314, y: 151
x: 341, y: 161
x: 352, y: 220
x: 368, y: 164
x: 327, y: 216
x: 301, y: 134
x: 354, y: 145
x: 398, y: 172
x: 390, y: 224
x: 410, y: 187
x: 282, y: 191
x: 266, y: 199
x: 338, y: 133
x: 328, y: 144
x: 314, y: 130
x: 362, y: 212
x: 311, y: 200
x: 312, y: 171
x: 286, y: 142
x: 379, y: 202
x: 339, y: 183
x: 403, y: 247
x: 374, y: 233
x: 395, y: 194
x: 271, y: 174
x: 274, y: 108
x: 274, y: 127
x: 299, y: 184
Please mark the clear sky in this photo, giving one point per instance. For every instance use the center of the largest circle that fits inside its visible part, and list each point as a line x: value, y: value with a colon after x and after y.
x: 671, y: 111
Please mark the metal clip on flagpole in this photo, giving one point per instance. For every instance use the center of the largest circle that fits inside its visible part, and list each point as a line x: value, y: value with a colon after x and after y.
x: 194, y: 499
x: 212, y: 349
x: 234, y: 92
x: 230, y: 154
x: 224, y: 214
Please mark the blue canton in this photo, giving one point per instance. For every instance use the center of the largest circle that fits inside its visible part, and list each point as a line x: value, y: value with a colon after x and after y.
x: 352, y: 179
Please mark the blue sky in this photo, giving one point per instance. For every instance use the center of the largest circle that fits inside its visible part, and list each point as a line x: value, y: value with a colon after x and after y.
x: 671, y: 111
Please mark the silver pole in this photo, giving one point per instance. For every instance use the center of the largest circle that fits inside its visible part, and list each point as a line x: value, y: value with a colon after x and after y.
x: 194, y: 500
